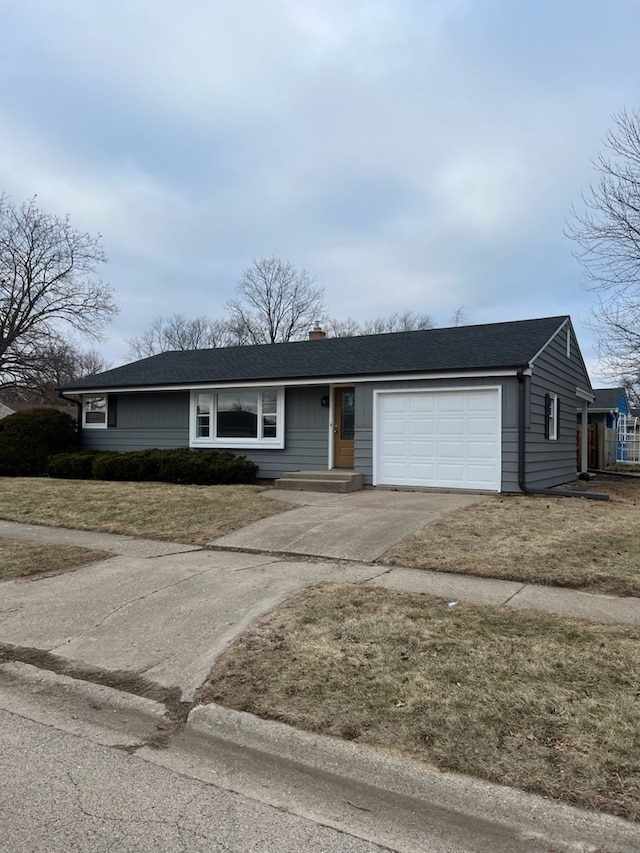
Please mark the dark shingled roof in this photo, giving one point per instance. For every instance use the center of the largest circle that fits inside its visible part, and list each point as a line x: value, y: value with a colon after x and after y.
x: 488, y: 347
x: 607, y: 398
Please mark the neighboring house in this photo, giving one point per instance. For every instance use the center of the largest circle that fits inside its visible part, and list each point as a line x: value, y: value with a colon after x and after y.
x: 487, y: 407
x: 610, y: 422
x: 14, y: 400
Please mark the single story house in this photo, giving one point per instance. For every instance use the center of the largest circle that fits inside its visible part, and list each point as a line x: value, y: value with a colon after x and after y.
x: 486, y: 407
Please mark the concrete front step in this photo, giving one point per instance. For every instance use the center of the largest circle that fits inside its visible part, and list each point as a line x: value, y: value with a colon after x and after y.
x: 321, y: 481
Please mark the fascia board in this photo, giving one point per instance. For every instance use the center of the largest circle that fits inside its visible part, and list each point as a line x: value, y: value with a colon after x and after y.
x: 292, y: 383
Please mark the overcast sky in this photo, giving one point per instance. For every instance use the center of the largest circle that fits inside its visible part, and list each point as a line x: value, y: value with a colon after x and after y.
x: 410, y: 154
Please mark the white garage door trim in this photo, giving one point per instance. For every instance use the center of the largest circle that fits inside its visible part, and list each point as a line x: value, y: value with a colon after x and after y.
x: 438, y: 437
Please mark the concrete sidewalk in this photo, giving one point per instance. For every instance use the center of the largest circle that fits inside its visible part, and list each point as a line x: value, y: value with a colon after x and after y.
x: 168, y: 610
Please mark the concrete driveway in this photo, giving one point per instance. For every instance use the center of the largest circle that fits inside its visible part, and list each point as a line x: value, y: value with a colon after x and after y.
x: 359, y: 526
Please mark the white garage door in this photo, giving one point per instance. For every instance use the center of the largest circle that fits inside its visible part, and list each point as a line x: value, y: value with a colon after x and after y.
x: 445, y: 439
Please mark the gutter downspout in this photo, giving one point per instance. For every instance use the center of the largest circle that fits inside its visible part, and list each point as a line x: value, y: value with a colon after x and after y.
x: 78, y: 404
x: 557, y: 493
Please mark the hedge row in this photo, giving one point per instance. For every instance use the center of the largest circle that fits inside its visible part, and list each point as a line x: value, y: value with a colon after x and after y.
x: 196, y: 467
x: 45, y: 441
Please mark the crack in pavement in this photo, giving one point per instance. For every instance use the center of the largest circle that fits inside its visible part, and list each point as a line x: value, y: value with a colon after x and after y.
x: 192, y: 550
x: 143, y: 597
x: 141, y: 821
x: 376, y: 576
x: 511, y: 597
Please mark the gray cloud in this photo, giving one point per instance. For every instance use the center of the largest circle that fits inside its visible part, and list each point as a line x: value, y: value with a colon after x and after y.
x: 410, y: 155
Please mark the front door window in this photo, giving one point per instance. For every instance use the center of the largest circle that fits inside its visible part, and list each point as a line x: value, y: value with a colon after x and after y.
x: 347, y: 416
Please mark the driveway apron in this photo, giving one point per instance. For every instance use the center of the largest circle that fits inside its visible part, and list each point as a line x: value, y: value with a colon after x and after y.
x: 360, y: 526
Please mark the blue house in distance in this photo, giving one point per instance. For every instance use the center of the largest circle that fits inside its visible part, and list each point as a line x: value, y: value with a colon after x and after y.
x: 610, y: 440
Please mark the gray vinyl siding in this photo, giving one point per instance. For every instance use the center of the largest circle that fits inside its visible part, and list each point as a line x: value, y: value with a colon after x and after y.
x: 122, y: 440
x: 161, y: 419
x: 306, y: 436
x: 364, y: 419
x: 548, y: 462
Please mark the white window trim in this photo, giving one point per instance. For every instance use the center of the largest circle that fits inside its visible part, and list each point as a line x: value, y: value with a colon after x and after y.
x: 226, y: 442
x: 553, y: 417
x: 85, y: 399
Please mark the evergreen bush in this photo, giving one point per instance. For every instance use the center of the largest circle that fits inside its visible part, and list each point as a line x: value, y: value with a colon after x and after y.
x: 73, y: 466
x: 180, y: 465
x: 29, y: 438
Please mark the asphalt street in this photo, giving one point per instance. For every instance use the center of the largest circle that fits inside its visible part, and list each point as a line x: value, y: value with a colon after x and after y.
x: 63, y: 793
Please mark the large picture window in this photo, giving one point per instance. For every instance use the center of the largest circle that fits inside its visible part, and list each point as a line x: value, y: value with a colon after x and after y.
x: 238, y: 418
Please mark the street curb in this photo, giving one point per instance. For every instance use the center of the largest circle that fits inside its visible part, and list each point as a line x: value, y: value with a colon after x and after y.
x: 109, y: 716
x: 541, y: 818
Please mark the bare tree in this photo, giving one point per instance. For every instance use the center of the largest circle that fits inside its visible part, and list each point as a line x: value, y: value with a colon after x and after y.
x: 275, y: 302
x: 336, y: 328
x: 459, y: 316
x: 47, y: 280
x: 56, y: 362
x: 407, y: 321
x: 178, y: 332
x: 607, y: 232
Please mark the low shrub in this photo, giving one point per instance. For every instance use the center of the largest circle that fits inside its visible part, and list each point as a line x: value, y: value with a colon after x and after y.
x: 135, y: 466
x: 206, y: 467
x: 73, y: 466
x: 29, y: 438
x: 181, y: 465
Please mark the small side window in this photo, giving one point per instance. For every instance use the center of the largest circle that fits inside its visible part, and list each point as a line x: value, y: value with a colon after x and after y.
x: 94, y: 412
x: 551, y: 416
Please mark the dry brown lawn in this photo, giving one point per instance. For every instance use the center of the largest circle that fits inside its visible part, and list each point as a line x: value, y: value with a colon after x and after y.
x: 570, y: 542
x: 542, y: 703
x: 20, y: 559
x: 190, y: 514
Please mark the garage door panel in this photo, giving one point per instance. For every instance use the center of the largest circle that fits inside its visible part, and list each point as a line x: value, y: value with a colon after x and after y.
x: 421, y: 449
x: 451, y: 450
x: 451, y: 473
x: 450, y: 403
x: 396, y: 404
x: 439, y: 439
x: 481, y: 426
x: 481, y: 450
x: 416, y: 404
x: 422, y: 426
x: 420, y: 470
x: 451, y: 426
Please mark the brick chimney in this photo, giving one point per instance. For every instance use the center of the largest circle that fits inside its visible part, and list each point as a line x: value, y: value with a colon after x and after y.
x: 317, y: 334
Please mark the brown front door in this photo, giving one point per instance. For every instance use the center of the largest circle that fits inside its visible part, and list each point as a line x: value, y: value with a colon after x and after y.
x: 343, y: 427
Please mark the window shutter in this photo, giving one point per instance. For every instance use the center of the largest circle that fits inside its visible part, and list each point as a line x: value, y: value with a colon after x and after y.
x: 557, y: 414
x: 112, y: 411
x: 547, y: 404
